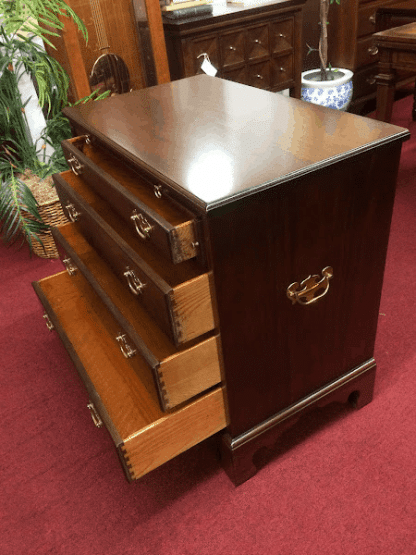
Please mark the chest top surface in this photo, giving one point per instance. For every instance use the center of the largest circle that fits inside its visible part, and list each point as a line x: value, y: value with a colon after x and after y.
x: 216, y: 140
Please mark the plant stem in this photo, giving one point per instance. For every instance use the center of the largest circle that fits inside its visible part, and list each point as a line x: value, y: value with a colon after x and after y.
x: 323, y: 40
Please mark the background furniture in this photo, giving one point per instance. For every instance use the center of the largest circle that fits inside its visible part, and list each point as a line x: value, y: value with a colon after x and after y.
x: 224, y: 265
x: 397, y: 48
x: 387, y: 18
x: 259, y: 46
x: 352, y: 25
x: 113, y: 25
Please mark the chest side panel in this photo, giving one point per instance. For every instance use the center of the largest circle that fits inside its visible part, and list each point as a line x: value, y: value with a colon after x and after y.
x: 276, y: 352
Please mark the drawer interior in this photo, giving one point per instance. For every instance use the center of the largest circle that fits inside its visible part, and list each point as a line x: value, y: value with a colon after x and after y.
x: 174, y: 274
x: 179, y: 297
x: 126, y: 400
x: 180, y: 373
x: 117, y: 169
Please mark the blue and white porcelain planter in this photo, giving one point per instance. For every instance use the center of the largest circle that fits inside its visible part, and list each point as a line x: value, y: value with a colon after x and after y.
x: 334, y: 93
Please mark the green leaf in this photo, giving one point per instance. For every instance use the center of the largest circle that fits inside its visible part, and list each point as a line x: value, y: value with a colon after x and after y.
x: 19, y: 214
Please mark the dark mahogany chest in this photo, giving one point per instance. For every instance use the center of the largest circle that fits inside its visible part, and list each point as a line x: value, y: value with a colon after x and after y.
x: 225, y: 262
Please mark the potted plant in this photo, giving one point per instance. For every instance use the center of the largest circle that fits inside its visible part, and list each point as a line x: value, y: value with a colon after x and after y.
x: 327, y: 86
x: 30, y: 78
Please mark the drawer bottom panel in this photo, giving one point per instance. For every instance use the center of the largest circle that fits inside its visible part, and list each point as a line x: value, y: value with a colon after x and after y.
x: 145, y: 436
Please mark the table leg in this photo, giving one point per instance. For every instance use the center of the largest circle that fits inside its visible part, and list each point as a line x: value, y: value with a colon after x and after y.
x: 385, y: 96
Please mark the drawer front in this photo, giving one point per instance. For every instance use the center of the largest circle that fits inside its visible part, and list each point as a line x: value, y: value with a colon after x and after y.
x: 179, y: 374
x: 281, y: 35
x: 367, y: 15
x: 144, y: 436
x: 183, y: 312
x: 259, y: 75
x: 238, y: 75
x: 232, y: 49
x: 195, y: 51
x: 152, y: 219
x: 282, y: 70
x: 257, y: 42
x: 367, y: 20
x: 367, y: 52
x: 365, y: 81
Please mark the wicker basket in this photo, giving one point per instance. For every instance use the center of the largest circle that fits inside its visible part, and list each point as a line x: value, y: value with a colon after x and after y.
x: 50, y: 210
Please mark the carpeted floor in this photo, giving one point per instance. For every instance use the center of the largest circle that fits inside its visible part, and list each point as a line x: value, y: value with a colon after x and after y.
x: 343, y: 483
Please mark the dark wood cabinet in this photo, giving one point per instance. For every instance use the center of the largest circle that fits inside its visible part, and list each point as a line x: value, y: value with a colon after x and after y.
x: 260, y: 46
x: 267, y: 305
x: 351, y: 29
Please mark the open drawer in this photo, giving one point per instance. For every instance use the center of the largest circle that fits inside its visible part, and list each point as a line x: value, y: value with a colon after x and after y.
x: 152, y: 216
x: 127, y: 403
x: 178, y: 296
x: 179, y: 373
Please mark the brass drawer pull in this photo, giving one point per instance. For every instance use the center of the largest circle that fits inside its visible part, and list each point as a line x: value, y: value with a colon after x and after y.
x: 157, y: 189
x: 136, y: 286
x: 233, y: 48
x: 259, y: 76
x: 306, y: 291
x: 94, y: 415
x: 373, y: 50
x: 257, y: 41
x: 282, y: 70
x: 282, y: 36
x: 48, y: 322
x: 142, y: 226
x: 125, y: 348
x: 75, y: 165
x: 73, y: 215
x: 70, y: 267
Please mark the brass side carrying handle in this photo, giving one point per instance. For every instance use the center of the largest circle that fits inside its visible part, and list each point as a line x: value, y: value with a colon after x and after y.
x: 125, y: 348
x: 310, y: 289
x: 73, y: 214
x: 94, y: 415
x: 136, y: 286
x: 75, y: 165
x: 142, y: 226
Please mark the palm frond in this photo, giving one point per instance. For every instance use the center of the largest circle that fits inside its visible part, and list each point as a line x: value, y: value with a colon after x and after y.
x: 19, y: 215
x: 23, y: 17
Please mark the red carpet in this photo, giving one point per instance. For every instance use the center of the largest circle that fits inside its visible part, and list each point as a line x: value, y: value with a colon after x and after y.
x: 344, y: 484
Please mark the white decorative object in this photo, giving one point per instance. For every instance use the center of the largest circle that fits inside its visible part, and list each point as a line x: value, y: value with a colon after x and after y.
x: 334, y: 93
x: 34, y: 115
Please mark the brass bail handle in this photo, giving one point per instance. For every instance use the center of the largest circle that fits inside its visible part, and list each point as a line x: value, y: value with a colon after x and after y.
x: 94, y: 415
x: 310, y: 289
x: 73, y: 214
x: 69, y: 265
x: 142, y: 226
x: 48, y: 322
x: 136, y: 286
x: 75, y: 165
x: 125, y: 348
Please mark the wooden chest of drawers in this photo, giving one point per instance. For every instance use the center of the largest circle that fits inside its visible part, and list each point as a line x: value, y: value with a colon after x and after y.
x: 260, y: 46
x: 224, y: 264
x: 352, y: 46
